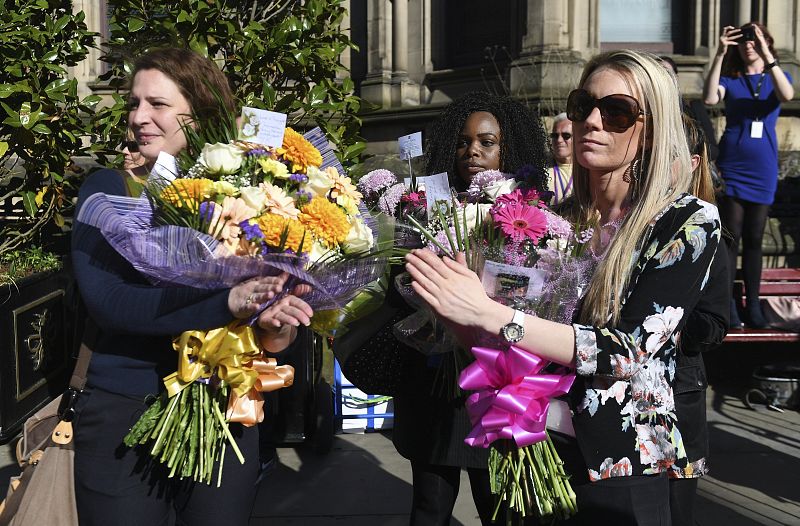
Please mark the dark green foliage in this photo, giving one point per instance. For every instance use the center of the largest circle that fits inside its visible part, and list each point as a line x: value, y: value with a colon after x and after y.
x: 281, y: 55
x: 41, y: 124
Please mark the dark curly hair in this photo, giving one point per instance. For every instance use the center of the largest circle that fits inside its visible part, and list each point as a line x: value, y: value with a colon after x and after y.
x: 523, y: 141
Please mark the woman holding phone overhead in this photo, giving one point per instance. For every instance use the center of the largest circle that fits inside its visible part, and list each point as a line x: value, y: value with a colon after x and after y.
x: 746, y: 75
x: 632, y: 167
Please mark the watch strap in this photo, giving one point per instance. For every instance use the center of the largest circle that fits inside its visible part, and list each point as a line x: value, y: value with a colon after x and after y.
x: 771, y: 65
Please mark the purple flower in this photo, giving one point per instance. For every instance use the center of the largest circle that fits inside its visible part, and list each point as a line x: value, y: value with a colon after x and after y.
x: 557, y: 226
x: 251, y: 231
x: 303, y: 197
x: 389, y: 201
x: 298, y: 178
x: 256, y: 151
x: 375, y: 181
x: 585, y: 235
x: 483, y: 179
x: 207, y: 210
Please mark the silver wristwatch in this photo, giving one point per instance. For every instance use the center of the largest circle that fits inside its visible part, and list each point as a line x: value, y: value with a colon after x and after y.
x: 514, y: 331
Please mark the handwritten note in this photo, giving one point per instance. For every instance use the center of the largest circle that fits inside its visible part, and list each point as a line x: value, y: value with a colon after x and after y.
x: 262, y: 127
x: 410, y: 145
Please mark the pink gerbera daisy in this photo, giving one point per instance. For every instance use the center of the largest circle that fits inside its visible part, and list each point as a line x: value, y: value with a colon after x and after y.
x: 520, y: 221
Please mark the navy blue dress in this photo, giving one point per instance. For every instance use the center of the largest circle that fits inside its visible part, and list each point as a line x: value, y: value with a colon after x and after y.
x: 750, y: 165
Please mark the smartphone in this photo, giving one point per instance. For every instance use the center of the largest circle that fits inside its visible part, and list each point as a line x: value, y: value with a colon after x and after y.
x: 748, y: 32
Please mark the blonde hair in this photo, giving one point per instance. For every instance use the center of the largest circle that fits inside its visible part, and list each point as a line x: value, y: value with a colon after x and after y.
x: 665, y: 174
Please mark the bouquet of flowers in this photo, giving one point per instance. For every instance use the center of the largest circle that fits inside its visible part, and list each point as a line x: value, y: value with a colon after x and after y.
x: 533, y: 260
x: 384, y: 193
x: 224, y: 212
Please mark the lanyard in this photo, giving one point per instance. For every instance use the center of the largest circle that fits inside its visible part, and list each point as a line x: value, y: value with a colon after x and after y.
x: 755, y: 92
x: 559, y: 182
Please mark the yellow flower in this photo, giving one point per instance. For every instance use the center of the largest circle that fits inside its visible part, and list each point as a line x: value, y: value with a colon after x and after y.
x: 188, y: 192
x: 326, y: 221
x: 276, y: 168
x: 224, y: 188
x: 299, y: 151
x: 274, y: 227
x: 344, y: 192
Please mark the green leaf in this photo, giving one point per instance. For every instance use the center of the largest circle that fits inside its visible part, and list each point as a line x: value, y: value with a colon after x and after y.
x: 29, y: 203
x: 135, y: 24
x: 3, y: 148
x: 317, y: 95
x: 58, y: 219
x: 6, y: 90
x: 41, y: 128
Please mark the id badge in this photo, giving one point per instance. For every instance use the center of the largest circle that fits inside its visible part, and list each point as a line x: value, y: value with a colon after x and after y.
x: 756, y: 129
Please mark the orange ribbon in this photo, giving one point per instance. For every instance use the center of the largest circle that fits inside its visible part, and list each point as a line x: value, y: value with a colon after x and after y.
x: 248, y: 409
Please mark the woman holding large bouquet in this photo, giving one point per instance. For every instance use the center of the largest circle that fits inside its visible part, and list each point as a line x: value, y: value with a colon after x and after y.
x: 632, y: 168
x: 136, y: 321
x: 476, y: 133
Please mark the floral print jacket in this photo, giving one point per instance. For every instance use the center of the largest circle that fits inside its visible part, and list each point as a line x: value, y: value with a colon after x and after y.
x: 623, y: 401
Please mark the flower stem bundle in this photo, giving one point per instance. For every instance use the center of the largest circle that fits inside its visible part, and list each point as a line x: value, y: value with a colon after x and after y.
x: 530, y: 481
x: 187, y: 432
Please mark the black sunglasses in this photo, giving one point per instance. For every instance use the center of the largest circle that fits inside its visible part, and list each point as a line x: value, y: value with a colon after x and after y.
x: 618, y: 111
x: 564, y: 135
x: 132, y: 146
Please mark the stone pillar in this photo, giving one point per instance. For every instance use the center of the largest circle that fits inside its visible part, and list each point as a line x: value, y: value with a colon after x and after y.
x: 560, y: 37
x: 88, y: 70
x: 376, y: 87
x: 744, y: 11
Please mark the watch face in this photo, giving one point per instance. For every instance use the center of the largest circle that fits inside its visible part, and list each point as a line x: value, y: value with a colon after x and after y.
x: 513, y: 332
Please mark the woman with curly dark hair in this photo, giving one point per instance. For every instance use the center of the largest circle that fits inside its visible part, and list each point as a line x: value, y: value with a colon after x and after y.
x: 477, y: 132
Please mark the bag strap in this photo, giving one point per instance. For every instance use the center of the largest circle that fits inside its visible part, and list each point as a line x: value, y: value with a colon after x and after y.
x: 78, y: 380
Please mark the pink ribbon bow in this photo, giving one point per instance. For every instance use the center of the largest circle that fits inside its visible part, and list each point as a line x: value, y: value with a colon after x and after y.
x: 512, y: 398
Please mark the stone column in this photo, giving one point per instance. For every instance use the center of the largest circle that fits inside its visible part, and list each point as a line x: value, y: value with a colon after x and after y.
x: 376, y: 87
x: 560, y: 36
x: 88, y: 70
x: 404, y: 91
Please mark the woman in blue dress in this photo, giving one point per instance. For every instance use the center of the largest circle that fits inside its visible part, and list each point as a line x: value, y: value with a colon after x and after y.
x: 746, y: 74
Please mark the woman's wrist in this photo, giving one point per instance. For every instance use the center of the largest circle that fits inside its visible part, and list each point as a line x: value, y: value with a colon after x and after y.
x: 496, y: 317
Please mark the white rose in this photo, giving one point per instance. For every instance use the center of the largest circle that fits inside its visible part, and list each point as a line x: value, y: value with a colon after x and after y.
x: 359, y: 239
x: 471, y: 213
x: 221, y: 158
x: 498, y: 188
x: 317, y: 252
x: 255, y: 197
x: 319, y: 184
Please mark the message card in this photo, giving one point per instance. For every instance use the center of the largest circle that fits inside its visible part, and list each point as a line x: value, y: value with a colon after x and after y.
x: 262, y: 127
x: 410, y: 145
x: 507, y: 283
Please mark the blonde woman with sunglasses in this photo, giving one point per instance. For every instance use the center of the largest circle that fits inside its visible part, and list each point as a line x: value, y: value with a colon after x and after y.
x: 632, y: 168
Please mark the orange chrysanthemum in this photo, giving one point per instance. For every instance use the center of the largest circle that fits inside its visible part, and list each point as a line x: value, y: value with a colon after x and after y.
x: 273, y: 227
x: 326, y: 221
x: 299, y: 152
x: 187, y: 192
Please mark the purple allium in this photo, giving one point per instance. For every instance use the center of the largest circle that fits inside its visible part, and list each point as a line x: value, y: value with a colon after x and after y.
x: 375, y: 181
x: 389, y: 201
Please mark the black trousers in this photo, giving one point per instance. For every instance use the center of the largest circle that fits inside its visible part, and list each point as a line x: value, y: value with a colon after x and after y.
x: 682, y: 493
x: 435, y: 491
x: 618, y: 501
x: 118, y: 485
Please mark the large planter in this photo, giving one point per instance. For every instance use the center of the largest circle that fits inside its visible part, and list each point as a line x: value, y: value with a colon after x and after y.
x: 35, y: 346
